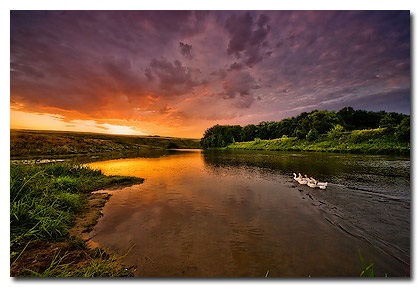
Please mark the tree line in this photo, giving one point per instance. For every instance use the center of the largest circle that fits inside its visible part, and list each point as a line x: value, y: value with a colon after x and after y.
x: 309, y: 126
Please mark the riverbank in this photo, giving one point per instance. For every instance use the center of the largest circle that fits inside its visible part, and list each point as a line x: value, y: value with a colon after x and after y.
x: 51, y: 211
x: 375, y: 141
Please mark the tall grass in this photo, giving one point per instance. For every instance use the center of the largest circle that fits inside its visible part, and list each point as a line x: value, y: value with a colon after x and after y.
x: 97, y: 263
x: 44, y: 200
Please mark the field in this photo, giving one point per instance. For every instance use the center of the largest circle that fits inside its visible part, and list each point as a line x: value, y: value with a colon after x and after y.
x: 30, y: 143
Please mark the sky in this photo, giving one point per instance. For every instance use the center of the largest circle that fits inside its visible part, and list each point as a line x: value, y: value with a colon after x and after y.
x: 177, y: 73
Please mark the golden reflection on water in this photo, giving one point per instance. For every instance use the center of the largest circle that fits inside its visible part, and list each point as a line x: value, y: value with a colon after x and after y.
x: 192, y: 218
x: 162, y: 167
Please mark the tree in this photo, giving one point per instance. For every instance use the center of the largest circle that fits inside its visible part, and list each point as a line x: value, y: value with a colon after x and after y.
x: 248, y: 133
x: 323, y: 121
x: 220, y: 136
x: 346, y: 114
x: 402, y: 131
x: 310, y: 126
x: 300, y: 134
x: 387, y: 121
x: 312, y: 135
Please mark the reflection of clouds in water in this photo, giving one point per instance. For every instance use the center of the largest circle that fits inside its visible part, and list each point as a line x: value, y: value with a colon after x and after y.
x: 238, y: 208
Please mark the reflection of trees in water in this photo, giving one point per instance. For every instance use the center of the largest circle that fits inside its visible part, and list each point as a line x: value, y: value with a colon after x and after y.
x: 369, y: 197
x: 281, y: 162
x: 145, y: 153
x: 359, y: 171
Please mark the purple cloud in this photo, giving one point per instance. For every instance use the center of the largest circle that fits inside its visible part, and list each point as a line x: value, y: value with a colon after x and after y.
x: 238, y: 85
x: 174, y: 78
x: 186, y: 50
x: 140, y: 64
x: 245, y: 41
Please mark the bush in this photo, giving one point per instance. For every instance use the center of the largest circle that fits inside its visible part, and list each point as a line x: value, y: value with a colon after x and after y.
x: 359, y: 136
x: 403, y: 130
x: 335, y: 132
x: 312, y: 135
x: 300, y: 134
x: 172, y: 145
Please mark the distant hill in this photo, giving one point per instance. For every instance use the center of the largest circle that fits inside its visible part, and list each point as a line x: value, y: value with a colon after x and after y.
x: 33, y: 143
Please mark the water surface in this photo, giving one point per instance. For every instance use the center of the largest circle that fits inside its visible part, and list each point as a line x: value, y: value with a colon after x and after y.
x: 236, y: 214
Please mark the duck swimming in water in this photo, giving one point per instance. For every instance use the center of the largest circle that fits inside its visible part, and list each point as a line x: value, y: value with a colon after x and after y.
x: 300, y: 178
x: 310, y: 181
x: 322, y: 185
x: 311, y: 184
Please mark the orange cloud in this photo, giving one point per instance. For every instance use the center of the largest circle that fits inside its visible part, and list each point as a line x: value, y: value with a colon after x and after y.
x: 177, y: 73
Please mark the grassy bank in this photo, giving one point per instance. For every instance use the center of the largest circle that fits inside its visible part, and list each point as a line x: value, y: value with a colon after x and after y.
x: 45, y: 200
x: 372, y: 141
x: 29, y: 143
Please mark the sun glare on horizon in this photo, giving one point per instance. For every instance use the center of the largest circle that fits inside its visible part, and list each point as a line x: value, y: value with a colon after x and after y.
x: 38, y: 121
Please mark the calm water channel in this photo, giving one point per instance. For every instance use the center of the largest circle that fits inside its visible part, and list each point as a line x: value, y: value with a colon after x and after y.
x: 240, y: 213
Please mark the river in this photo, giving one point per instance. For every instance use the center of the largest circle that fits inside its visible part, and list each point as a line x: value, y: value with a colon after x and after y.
x: 241, y: 214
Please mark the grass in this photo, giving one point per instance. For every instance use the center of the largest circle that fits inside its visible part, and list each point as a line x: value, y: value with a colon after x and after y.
x: 367, y: 269
x: 24, y: 143
x: 44, y: 201
x: 90, y: 263
x: 374, y: 141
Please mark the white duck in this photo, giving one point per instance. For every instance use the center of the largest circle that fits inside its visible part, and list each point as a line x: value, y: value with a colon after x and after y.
x: 295, y: 177
x: 311, y: 184
x: 322, y: 185
x: 302, y: 180
x: 310, y: 180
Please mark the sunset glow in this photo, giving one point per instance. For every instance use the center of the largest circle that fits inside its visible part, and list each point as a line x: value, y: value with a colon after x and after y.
x: 176, y: 73
x: 35, y: 121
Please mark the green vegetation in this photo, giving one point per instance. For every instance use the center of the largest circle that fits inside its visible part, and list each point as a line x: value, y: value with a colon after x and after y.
x: 373, y: 141
x: 44, y: 202
x: 27, y: 143
x: 345, y: 131
x: 367, y: 269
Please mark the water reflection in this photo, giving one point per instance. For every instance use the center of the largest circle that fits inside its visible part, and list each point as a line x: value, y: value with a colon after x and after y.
x: 388, y: 175
x: 369, y: 196
x: 241, y: 214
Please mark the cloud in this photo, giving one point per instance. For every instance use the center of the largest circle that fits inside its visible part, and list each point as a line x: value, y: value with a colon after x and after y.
x: 238, y: 85
x: 247, y: 37
x: 220, y: 74
x: 236, y: 66
x: 180, y: 66
x: 174, y: 78
x: 186, y: 50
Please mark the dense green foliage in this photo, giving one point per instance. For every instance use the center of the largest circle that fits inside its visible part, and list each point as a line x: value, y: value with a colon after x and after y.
x: 372, y: 141
x: 347, y: 130
x: 44, y: 200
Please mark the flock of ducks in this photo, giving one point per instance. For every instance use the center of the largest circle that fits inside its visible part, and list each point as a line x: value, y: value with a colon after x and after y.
x: 311, y: 182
